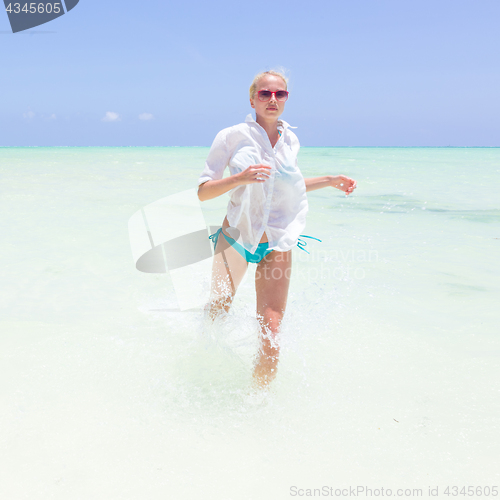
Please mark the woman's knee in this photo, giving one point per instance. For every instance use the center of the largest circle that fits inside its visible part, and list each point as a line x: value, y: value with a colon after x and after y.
x: 271, y: 319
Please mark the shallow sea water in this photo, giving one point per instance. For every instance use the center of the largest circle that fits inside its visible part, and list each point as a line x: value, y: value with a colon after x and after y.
x: 389, y: 373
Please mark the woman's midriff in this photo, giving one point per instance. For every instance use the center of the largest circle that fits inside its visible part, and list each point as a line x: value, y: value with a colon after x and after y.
x: 225, y: 225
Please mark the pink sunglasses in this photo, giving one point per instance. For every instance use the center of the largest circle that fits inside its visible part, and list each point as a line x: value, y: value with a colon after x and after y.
x: 265, y: 95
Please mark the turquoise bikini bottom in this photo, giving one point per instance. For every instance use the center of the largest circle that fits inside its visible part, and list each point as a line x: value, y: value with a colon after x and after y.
x: 262, y: 248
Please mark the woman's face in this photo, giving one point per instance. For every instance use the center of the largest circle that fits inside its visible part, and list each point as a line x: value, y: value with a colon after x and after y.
x: 271, y: 109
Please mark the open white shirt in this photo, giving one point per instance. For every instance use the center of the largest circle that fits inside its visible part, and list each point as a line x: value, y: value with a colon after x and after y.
x: 277, y: 206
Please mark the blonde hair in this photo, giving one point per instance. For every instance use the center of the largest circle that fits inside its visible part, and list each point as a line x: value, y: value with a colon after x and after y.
x: 271, y: 72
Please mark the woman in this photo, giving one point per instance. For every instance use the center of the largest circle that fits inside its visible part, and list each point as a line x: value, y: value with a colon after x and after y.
x: 266, y: 213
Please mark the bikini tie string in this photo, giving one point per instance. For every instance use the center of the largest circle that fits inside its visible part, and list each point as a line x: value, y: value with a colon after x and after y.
x: 301, y: 243
x: 215, y: 237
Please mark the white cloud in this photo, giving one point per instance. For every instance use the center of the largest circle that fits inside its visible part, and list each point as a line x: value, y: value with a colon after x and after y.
x: 29, y: 115
x: 111, y: 116
x: 146, y: 116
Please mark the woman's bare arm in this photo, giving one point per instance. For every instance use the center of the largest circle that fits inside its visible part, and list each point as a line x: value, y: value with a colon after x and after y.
x: 341, y: 182
x: 253, y: 174
x: 212, y: 189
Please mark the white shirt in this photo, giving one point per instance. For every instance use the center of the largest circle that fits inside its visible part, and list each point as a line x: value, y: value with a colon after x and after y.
x: 277, y: 206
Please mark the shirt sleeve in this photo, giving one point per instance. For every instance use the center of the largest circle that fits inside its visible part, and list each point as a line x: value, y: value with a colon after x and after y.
x: 217, y: 160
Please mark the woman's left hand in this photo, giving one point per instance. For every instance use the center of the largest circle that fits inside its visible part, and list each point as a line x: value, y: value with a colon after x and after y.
x: 344, y: 183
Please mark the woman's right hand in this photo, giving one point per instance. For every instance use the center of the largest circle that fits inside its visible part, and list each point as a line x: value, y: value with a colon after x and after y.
x: 254, y: 173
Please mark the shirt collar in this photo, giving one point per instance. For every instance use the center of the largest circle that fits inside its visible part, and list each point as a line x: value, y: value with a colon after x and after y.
x: 281, y: 123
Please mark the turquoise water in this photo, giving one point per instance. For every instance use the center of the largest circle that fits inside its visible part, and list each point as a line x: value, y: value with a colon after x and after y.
x: 389, y: 374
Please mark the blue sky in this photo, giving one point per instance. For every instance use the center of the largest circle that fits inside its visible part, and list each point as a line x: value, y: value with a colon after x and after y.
x: 362, y: 72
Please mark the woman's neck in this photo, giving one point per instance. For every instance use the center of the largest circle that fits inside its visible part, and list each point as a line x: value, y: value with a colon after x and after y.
x: 271, y: 128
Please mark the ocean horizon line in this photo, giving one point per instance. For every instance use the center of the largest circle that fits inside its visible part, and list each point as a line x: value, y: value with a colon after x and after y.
x: 302, y: 147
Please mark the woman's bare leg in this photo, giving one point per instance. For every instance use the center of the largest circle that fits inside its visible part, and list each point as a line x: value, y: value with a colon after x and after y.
x: 272, y: 280
x: 228, y: 270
